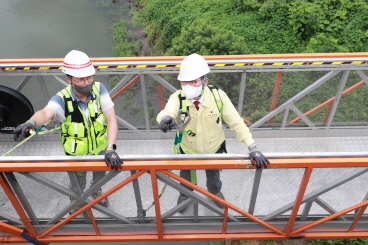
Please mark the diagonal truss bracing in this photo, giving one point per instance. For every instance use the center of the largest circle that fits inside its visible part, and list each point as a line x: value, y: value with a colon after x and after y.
x: 164, y: 224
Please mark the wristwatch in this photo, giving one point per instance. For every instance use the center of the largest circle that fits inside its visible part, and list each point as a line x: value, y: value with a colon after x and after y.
x: 113, y: 146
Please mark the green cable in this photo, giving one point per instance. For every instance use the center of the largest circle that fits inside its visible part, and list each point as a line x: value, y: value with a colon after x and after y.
x: 26, y: 139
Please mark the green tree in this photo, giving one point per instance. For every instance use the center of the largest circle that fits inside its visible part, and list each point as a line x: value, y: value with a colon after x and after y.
x: 204, y: 38
x: 126, y: 44
x: 267, y: 26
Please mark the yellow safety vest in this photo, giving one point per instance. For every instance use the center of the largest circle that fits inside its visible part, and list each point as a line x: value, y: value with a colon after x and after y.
x: 77, y: 136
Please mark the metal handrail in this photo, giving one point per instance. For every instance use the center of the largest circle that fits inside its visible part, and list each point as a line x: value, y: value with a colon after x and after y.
x: 183, y: 157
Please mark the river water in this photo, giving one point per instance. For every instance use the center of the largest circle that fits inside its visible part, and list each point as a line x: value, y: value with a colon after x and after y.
x: 51, y: 28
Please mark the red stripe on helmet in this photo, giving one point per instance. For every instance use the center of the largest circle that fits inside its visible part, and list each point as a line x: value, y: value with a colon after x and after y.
x: 77, y: 66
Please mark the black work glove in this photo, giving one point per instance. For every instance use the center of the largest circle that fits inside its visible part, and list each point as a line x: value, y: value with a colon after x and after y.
x: 23, y: 130
x: 167, y: 122
x: 113, y: 160
x: 258, y: 159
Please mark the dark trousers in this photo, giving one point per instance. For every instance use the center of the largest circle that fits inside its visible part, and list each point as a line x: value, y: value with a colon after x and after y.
x: 213, y: 181
x: 81, y: 176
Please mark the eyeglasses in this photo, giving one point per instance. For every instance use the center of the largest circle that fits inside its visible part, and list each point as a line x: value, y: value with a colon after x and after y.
x: 192, y: 83
x: 81, y: 80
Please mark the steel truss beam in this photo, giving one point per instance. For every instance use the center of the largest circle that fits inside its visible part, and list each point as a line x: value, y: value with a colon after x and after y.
x: 166, y: 226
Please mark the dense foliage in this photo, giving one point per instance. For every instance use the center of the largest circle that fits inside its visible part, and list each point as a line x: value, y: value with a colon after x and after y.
x: 264, y: 26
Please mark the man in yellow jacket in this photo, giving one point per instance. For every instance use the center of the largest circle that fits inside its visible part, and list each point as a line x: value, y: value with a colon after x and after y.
x: 207, y: 107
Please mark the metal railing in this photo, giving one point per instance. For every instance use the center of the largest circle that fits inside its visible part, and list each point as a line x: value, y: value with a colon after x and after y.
x: 303, y: 204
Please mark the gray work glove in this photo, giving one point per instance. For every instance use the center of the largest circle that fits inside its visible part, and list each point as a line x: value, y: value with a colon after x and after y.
x: 167, y: 122
x: 113, y: 160
x: 257, y: 158
x: 23, y: 130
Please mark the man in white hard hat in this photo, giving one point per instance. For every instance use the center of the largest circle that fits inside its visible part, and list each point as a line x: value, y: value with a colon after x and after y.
x: 204, y: 134
x: 87, y: 114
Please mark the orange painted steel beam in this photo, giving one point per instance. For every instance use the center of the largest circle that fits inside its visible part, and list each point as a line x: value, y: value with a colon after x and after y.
x: 333, y: 235
x: 156, y: 199
x: 128, y: 85
x: 17, y: 205
x: 327, y: 112
x: 161, y: 96
x: 100, y: 239
x: 356, y: 220
x: 154, y: 238
x: 213, y: 237
x: 13, y: 240
x: 298, y: 201
x: 10, y: 229
x: 224, y: 222
x: 246, y: 121
x: 52, y: 166
x: 91, y: 204
x: 195, y: 237
x: 275, y: 95
x: 223, y: 202
x: 328, y: 218
x: 93, y: 220
x: 328, y: 102
x: 207, y: 57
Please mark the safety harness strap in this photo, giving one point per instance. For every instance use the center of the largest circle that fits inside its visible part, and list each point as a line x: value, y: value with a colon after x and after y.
x: 184, y: 111
x: 185, y: 108
x: 217, y: 96
x: 94, y: 103
x: 68, y: 100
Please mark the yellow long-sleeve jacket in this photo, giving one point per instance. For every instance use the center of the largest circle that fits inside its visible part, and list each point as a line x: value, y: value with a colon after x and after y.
x: 209, y: 134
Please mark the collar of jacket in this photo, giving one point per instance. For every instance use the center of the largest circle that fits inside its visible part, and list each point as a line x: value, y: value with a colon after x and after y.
x: 205, y: 96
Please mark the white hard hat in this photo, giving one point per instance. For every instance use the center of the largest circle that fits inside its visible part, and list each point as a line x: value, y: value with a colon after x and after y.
x: 78, y: 64
x: 193, y: 67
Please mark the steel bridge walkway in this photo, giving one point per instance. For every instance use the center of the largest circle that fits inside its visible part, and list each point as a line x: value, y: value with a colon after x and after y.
x: 315, y: 186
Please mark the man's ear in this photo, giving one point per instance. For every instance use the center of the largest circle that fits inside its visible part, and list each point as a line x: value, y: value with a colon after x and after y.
x: 69, y: 80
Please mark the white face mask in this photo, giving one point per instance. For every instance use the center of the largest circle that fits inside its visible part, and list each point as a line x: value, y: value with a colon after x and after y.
x: 191, y: 92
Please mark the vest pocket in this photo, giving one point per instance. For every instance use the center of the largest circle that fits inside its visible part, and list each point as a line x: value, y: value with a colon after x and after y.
x: 100, y: 125
x: 73, y: 129
x: 101, y: 141
x: 74, y: 138
x: 76, y: 146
